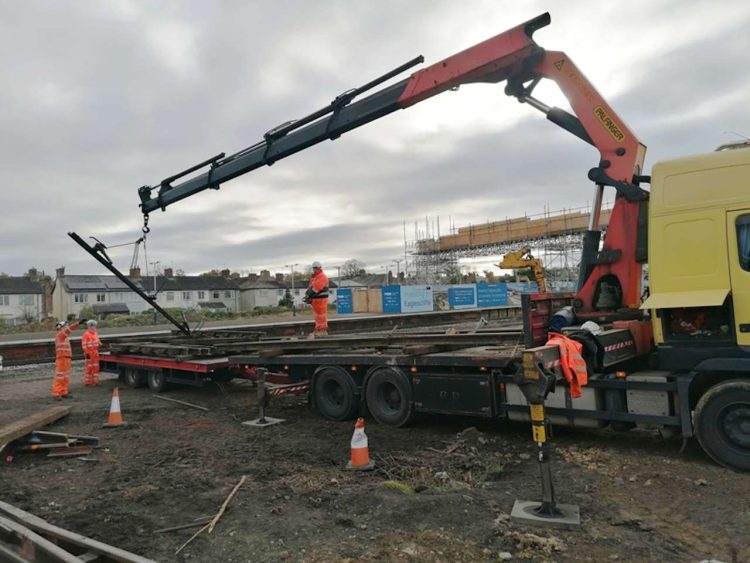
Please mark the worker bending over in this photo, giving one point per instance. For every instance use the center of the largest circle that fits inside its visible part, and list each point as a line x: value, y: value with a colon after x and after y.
x: 63, y: 355
x: 317, y: 296
x: 91, y: 344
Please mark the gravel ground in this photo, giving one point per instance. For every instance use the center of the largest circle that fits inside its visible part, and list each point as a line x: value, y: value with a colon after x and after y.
x: 442, y: 488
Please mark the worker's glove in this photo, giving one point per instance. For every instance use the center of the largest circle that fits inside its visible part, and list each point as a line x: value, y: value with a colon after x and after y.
x: 307, y: 300
x: 87, y: 356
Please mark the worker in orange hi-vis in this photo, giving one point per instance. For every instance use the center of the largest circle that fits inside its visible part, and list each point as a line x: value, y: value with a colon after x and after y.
x: 63, y: 358
x: 317, y: 296
x: 91, y: 343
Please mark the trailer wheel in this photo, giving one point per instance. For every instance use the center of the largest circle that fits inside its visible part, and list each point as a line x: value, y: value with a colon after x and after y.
x: 389, y: 396
x: 335, y: 394
x: 157, y: 381
x: 134, y: 378
x: 722, y: 423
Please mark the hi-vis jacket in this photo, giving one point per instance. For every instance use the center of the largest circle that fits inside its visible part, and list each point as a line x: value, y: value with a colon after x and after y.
x: 62, y: 342
x: 91, y: 343
x: 318, y: 286
x: 571, y: 361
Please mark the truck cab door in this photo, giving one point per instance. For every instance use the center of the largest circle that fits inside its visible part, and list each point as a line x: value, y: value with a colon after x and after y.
x: 738, y: 247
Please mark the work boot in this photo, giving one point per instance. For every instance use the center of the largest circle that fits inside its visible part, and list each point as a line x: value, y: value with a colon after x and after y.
x: 57, y: 398
x: 68, y: 396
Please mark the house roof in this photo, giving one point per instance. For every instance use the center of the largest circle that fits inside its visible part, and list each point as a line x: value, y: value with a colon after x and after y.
x: 268, y: 284
x: 368, y: 280
x: 18, y: 285
x: 351, y: 283
x: 97, y: 283
x: 273, y: 284
x: 179, y: 283
x: 188, y: 283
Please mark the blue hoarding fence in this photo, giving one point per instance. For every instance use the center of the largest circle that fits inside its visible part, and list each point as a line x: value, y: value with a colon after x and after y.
x: 344, y: 301
x: 392, y: 299
x: 425, y: 298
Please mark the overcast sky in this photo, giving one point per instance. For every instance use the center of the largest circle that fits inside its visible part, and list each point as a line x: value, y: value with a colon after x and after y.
x: 99, y: 98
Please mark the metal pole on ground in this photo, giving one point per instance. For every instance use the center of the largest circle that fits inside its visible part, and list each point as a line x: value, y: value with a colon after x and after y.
x: 536, y: 383
x: 263, y: 400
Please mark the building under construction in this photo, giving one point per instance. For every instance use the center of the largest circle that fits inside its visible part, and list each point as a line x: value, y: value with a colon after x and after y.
x: 554, y: 237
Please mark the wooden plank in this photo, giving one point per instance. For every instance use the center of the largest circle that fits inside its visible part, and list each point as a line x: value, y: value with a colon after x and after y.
x: 43, y: 527
x: 70, y: 451
x: 30, y: 423
x: 43, y: 549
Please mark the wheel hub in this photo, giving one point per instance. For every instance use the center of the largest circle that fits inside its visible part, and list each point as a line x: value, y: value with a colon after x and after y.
x: 390, y: 397
x: 736, y: 425
x: 334, y: 393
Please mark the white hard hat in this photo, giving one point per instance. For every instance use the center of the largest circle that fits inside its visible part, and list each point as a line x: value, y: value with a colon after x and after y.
x: 316, y: 264
x: 92, y: 322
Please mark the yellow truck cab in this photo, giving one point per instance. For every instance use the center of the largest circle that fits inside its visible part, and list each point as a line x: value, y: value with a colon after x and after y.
x: 699, y: 274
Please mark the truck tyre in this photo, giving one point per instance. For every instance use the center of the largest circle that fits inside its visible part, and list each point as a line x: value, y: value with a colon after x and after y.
x: 157, y: 381
x: 722, y: 423
x: 389, y: 396
x: 335, y: 394
x: 134, y: 378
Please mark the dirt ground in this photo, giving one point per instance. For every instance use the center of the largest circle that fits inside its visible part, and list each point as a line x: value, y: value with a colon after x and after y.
x: 442, y: 489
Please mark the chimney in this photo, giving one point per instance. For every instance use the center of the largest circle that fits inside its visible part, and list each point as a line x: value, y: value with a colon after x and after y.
x: 235, y: 276
x: 168, y: 273
x: 60, y: 272
x: 252, y: 278
x: 225, y: 273
x: 265, y: 275
x: 135, y: 273
x: 280, y: 278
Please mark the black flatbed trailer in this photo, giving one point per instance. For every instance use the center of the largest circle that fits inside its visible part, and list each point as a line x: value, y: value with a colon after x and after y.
x: 395, y: 375
x: 394, y: 385
x: 194, y: 359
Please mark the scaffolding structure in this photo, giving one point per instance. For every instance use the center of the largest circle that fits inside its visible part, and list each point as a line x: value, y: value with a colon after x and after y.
x: 554, y: 237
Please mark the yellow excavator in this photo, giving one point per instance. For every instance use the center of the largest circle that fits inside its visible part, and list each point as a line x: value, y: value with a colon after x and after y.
x: 522, y: 259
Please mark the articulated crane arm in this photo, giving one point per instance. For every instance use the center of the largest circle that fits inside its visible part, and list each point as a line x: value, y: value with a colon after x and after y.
x: 522, y: 259
x: 610, y: 279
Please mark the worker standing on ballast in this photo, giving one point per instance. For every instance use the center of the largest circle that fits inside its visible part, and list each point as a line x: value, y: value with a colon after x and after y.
x: 317, y: 296
x: 63, y: 358
x: 91, y: 344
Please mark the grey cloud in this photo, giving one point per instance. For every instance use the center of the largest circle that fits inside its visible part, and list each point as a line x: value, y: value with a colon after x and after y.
x: 89, y: 112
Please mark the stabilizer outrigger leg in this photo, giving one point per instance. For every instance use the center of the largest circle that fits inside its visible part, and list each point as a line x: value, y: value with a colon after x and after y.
x: 536, y: 383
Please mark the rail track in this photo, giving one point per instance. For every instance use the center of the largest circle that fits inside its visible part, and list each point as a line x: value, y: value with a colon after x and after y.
x: 244, y: 338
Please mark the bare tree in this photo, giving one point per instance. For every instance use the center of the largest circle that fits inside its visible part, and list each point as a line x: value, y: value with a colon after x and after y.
x: 352, y: 268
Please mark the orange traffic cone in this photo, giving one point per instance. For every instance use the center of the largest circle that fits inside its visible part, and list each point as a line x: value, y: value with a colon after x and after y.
x: 115, y: 416
x: 360, y: 453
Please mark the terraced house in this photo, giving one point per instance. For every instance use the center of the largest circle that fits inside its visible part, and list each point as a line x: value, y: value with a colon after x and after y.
x: 107, y: 295
x: 22, y: 300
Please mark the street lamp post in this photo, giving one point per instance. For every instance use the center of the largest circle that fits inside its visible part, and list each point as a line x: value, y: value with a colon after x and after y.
x: 294, y: 304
